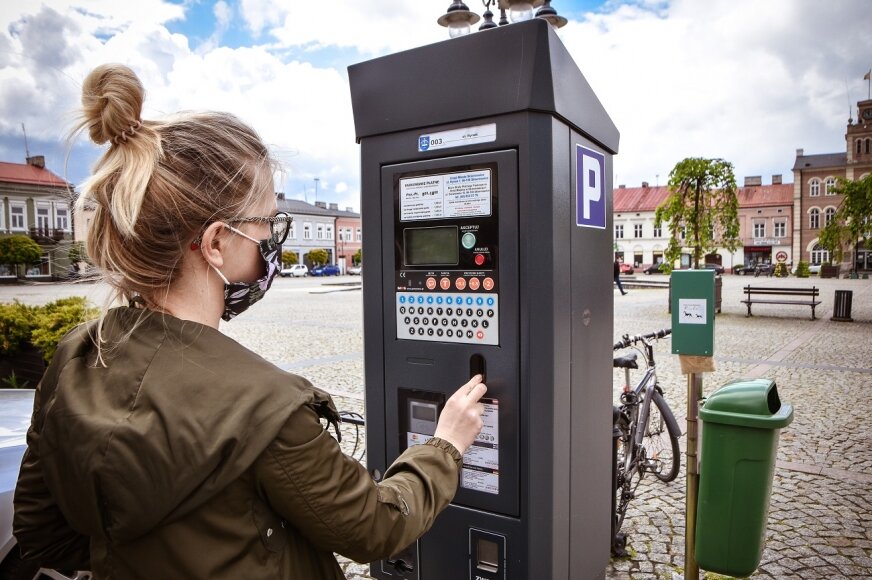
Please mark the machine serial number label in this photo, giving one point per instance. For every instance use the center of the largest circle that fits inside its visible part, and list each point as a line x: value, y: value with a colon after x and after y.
x: 458, y: 137
x: 446, y: 196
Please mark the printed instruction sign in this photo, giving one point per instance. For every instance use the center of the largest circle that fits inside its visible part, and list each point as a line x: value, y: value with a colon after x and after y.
x: 446, y: 195
x: 692, y: 311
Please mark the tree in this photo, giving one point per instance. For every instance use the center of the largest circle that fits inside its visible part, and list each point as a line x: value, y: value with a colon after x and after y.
x: 77, y: 253
x: 357, y: 258
x: 16, y: 250
x: 289, y: 258
x: 852, y: 221
x: 319, y: 256
x: 702, y: 200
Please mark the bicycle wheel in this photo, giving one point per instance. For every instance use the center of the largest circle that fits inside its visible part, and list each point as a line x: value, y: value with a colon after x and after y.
x: 662, y: 456
x: 626, y: 480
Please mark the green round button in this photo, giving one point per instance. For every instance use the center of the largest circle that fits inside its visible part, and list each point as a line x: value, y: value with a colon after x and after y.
x: 468, y: 240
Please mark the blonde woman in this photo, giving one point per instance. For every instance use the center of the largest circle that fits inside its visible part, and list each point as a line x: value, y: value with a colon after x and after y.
x: 160, y: 448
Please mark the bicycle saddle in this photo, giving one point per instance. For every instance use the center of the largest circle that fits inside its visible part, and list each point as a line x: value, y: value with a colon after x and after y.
x: 628, y: 361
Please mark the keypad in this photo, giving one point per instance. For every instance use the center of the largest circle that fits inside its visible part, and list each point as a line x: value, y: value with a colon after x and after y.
x: 448, y: 317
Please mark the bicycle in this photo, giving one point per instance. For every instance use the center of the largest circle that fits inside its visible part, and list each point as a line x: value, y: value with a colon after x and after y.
x: 646, y: 434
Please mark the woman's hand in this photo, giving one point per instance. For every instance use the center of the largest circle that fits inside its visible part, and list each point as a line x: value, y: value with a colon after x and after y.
x: 460, y: 421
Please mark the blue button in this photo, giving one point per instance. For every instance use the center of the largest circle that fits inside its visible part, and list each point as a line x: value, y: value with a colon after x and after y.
x: 429, y: 300
x: 402, y: 299
x: 449, y: 300
x: 490, y: 301
x: 479, y: 300
x: 420, y: 300
x: 469, y: 301
x: 438, y: 300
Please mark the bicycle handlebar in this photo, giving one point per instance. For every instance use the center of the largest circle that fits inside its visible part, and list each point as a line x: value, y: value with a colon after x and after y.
x: 628, y: 340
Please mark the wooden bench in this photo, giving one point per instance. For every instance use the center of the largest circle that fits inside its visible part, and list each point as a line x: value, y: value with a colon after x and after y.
x: 752, y: 293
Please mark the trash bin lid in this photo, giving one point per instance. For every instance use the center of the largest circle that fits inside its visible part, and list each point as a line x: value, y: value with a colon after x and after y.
x: 747, y: 403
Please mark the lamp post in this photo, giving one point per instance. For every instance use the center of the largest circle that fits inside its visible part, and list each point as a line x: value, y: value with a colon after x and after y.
x: 459, y: 19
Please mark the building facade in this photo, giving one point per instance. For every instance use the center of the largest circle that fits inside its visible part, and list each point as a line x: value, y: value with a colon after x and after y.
x: 321, y: 226
x: 637, y: 241
x: 814, y: 200
x: 765, y: 220
x: 37, y: 203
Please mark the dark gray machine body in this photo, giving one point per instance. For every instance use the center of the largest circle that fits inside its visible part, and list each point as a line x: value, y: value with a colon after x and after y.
x: 471, y: 203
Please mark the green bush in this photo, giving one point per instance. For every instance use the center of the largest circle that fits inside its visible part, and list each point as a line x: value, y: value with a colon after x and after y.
x: 802, y: 270
x: 16, y: 326
x: 781, y: 270
x: 43, y: 326
x: 289, y: 258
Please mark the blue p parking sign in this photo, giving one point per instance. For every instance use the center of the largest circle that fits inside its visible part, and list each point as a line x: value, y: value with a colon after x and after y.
x: 590, y: 189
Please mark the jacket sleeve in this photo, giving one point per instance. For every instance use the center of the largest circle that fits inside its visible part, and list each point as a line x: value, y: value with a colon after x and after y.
x: 332, y: 500
x: 39, y: 527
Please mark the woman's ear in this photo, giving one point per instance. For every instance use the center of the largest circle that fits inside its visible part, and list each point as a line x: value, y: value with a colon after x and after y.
x: 212, y: 244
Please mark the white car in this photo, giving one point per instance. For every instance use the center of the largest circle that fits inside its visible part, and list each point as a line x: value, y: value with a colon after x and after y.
x: 295, y: 271
x: 354, y: 270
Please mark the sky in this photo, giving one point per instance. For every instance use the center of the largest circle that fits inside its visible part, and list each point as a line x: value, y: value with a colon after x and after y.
x: 743, y: 80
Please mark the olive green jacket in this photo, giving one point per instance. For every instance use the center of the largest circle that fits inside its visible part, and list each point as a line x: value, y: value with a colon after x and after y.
x: 188, y: 456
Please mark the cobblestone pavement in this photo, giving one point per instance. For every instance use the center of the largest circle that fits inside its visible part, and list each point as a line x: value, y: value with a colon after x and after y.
x: 820, y: 519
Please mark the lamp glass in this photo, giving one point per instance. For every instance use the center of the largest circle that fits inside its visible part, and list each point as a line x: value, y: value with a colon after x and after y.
x: 458, y: 28
x: 521, y: 11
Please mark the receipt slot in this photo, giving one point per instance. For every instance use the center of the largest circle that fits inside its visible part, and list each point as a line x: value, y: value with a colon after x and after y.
x: 486, y: 166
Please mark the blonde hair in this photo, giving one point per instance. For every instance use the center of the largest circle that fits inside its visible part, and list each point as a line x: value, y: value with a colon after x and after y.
x: 160, y: 183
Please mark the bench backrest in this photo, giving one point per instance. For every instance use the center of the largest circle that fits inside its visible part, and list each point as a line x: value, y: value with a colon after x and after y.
x: 813, y: 291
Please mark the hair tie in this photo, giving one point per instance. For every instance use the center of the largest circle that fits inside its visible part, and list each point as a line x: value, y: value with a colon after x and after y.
x: 131, y: 131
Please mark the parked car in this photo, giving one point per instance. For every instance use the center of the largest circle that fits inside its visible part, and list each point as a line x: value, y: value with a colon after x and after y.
x: 355, y: 270
x: 295, y: 271
x: 716, y: 267
x: 328, y: 270
x: 16, y: 406
x: 626, y: 268
x: 814, y: 269
x: 653, y: 269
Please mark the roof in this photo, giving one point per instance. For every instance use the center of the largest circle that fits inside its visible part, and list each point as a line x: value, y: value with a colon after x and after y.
x: 765, y: 195
x: 29, y: 175
x: 298, y: 206
x: 638, y: 199
x: 821, y: 161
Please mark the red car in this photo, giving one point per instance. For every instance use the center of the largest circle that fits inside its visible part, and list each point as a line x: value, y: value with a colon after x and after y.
x: 626, y: 268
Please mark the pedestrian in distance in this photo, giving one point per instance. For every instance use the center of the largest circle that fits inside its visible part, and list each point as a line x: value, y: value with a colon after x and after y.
x: 161, y: 448
x: 618, y: 276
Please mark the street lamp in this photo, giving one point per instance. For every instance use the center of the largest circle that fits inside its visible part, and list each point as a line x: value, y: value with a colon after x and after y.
x: 459, y: 19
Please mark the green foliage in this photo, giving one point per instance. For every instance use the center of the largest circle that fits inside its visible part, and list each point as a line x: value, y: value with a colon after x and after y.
x: 12, y: 382
x: 289, y: 258
x: 16, y: 250
x: 319, y: 256
x: 77, y: 253
x: 16, y: 325
x: 802, y: 270
x: 703, y: 199
x: 781, y: 270
x: 43, y: 326
x: 853, y: 219
x: 357, y: 258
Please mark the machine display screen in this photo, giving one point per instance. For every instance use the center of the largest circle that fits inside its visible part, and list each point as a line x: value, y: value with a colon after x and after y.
x: 437, y: 246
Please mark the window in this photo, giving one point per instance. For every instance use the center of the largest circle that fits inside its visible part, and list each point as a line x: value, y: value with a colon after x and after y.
x: 329, y: 232
x: 637, y: 230
x: 619, y: 231
x: 780, y: 229
x: 62, y: 217
x: 814, y: 218
x: 859, y: 150
x: 359, y: 235
x: 320, y: 232
x: 307, y: 231
x: 292, y: 233
x: 830, y: 186
x: 682, y: 232
x: 829, y: 214
x: 42, y: 218
x: 868, y: 145
x: 759, y: 229
x: 819, y: 255
x: 814, y: 187
x: 658, y: 232
x: 2, y: 216
x: 17, y: 218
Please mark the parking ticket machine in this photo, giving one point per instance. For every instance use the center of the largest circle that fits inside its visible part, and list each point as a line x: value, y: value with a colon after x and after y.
x: 486, y: 167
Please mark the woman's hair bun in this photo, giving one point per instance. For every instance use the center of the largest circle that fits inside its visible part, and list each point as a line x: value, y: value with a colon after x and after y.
x: 112, y: 98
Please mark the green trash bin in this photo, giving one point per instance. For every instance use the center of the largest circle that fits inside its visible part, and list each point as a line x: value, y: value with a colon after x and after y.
x: 741, y: 423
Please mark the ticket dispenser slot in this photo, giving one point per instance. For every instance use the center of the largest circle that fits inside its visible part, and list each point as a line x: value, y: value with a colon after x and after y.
x: 487, y: 555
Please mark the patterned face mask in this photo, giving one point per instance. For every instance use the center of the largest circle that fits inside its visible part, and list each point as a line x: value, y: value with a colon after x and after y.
x: 238, y: 296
